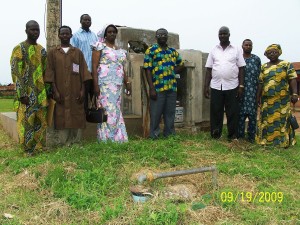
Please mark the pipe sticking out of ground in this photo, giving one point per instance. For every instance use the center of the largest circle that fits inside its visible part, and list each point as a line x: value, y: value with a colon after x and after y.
x: 153, y: 176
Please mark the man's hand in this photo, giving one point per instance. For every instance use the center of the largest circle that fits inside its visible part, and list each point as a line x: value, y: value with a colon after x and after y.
x: 294, y: 99
x: 206, y: 92
x: 80, y: 98
x: 24, y: 100
x: 57, y: 97
x: 240, y: 92
x: 153, y: 94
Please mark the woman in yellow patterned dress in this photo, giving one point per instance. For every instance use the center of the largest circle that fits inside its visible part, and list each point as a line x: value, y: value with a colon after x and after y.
x: 276, y: 80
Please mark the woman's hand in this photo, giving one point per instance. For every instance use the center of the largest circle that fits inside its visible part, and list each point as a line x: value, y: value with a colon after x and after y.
x: 128, y: 88
x: 258, y: 95
x: 258, y: 101
x: 96, y: 55
x: 96, y: 90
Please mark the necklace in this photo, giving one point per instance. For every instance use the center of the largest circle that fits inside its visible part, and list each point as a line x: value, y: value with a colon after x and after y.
x: 110, y: 45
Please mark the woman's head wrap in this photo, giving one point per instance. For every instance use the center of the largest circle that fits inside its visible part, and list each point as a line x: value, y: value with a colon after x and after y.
x: 102, y: 33
x: 273, y: 46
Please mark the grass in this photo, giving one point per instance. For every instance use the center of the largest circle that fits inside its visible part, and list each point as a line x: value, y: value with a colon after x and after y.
x: 6, y: 105
x: 89, y: 183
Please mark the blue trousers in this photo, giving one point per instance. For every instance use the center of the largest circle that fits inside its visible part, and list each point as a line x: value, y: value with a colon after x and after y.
x: 164, y: 105
x: 251, y: 130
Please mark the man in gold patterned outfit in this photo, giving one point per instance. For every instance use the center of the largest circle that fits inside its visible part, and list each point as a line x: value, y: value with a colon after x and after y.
x: 28, y: 64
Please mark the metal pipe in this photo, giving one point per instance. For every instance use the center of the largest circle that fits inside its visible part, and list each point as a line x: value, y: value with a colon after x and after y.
x: 152, y: 176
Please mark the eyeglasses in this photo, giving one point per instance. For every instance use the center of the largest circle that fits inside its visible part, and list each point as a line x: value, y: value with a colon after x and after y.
x: 161, y: 35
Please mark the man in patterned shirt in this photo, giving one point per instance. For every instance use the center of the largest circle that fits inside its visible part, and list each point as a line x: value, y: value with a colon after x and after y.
x: 161, y: 63
x: 248, y: 106
x: 28, y: 65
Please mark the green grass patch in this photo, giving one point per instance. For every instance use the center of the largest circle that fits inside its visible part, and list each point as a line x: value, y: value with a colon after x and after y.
x: 6, y: 104
x: 89, y: 183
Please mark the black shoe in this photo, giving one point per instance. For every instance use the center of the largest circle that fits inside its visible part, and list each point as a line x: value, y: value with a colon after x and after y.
x: 251, y: 140
x: 216, y: 134
x: 232, y: 138
x: 29, y: 153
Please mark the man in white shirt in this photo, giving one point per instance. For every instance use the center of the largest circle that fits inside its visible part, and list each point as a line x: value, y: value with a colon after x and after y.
x: 225, y: 77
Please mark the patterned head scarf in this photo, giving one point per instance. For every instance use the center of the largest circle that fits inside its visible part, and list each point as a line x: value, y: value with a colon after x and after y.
x: 273, y: 46
x: 101, y: 33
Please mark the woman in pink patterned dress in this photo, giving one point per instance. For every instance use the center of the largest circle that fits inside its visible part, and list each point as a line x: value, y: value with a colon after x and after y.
x: 108, y: 76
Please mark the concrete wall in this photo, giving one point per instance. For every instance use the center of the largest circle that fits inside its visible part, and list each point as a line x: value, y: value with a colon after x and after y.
x: 126, y: 34
x: 205, y: 101
x: 195, y: 57
x: 135, y: 68
x: 8, y: 121
x: 202, y: 105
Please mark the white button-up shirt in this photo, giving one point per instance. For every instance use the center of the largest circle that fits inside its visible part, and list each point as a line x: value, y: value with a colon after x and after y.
x: 225, y: 66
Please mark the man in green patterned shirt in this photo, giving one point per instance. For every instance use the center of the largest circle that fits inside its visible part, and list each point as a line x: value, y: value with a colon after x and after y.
x: 28, y: 64
x: 161, y: 63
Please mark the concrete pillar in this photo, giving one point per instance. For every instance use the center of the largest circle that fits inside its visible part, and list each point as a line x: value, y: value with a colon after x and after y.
x: 53, y: 22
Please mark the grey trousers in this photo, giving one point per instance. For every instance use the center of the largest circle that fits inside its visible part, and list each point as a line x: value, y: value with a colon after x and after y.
x: 164, y: 105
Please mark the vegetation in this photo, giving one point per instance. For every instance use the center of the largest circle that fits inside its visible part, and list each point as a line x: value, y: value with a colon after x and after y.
x: 6, y: 104
x: 89, y: 183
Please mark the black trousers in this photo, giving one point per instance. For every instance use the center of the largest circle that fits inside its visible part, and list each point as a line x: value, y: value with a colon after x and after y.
x: 89, y: 92
x: 219, y: 100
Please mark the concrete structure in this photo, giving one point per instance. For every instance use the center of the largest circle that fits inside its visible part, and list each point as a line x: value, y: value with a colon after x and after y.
x: 8, y: 121
x: 126, y: 34
x: 297, y: 68
x: 136, y: 107
x: 7, y: 90
x: 190, y: 85
x: 53, y: 22
x: 199, y: 59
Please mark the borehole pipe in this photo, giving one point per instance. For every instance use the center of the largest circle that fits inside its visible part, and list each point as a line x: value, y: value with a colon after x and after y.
x: 153, y: 176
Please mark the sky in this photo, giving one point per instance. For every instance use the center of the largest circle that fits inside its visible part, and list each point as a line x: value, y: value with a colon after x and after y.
x: 197, y: 22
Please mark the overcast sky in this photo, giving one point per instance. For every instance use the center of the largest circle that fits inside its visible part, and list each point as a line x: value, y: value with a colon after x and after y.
x: 197, y: 22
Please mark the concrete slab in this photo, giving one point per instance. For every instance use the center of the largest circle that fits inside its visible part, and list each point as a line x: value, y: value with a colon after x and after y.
x: 9, y: 124
x: 8, y: 121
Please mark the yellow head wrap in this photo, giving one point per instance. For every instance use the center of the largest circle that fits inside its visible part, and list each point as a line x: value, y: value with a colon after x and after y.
x: 273, y: 46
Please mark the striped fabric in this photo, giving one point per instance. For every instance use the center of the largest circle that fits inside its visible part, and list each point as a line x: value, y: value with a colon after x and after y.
x: 274, y: 128
x: 83, y: 40
x: 162, y: 64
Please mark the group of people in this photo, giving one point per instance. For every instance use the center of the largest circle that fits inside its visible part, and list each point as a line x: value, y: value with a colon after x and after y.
x: 84, y: 69
x: 88, y: 68
x: 237, y: 82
